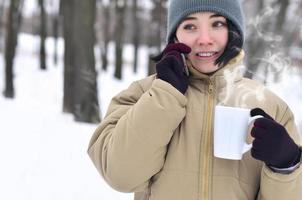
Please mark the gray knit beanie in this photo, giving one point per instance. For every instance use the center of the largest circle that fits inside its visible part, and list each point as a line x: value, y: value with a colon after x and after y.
x: 179, y: 9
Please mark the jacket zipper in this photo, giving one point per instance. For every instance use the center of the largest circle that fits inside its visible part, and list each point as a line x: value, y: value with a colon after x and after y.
x: 207, y: 141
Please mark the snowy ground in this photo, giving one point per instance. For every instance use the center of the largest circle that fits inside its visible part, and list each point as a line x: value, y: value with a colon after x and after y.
x: 43, y: 151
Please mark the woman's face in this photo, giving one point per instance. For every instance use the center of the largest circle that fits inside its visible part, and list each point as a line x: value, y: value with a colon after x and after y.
x: 207, y: 35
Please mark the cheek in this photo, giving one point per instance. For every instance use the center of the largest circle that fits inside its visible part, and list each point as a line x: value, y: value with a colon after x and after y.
x: 189, y: 41
x: 223, y: 38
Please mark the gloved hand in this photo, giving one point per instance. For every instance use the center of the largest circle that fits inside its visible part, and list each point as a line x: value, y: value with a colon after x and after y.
x: 171, y: 67
x: 272, y: 143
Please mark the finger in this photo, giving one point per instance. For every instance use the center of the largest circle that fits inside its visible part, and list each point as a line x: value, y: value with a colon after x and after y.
x: 178, y: 66
x: 164, y: 67
x: 173, y: 64
x: 257, y: 145
x: 259, y: 111
x: 179, y: 47
x: 258, y: 132
x: 175, y: 54
x: 264, y: 123
x: 256, y: 154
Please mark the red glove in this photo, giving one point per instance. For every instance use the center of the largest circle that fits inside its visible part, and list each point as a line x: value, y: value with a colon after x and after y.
x: 272, y: 143
x: 171, y: 67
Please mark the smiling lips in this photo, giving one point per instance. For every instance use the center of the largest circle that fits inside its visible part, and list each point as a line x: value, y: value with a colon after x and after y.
x: 206, y: 54
x: 209, y: 55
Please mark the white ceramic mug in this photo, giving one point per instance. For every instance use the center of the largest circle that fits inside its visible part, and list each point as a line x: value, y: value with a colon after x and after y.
x: 231, y: 125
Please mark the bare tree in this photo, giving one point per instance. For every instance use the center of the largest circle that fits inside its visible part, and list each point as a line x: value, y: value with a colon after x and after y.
x: 157, y: 29
x: 56, y: 21
x: 12, y: 29
x: 2, y: 6
x: 85, y: 95
x: 105, y: 24
x: 66, y: 10
x: 255, y: 43
x: 135, y: 36
x: 120, y: 7
x: 281, y: 16
x: 42, y: 35
x: 271, y: 35
x: 293, y: 29
x: 81, y: 96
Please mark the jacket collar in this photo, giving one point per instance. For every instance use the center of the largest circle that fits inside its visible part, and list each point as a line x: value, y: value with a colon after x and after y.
x: 229, y: 73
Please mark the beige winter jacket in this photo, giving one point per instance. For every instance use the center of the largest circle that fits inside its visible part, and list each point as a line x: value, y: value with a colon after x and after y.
x: 158, y: 143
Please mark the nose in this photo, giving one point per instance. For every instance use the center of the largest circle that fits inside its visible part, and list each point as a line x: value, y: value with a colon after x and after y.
x: 204, y: 37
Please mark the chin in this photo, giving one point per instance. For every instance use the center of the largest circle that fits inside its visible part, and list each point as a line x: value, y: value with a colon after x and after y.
x: 207, y: 69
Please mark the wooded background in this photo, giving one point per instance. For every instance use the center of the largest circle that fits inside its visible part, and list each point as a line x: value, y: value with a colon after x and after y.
x: 273, y: 42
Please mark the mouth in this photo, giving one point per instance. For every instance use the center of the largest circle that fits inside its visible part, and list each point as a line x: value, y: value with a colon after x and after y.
x: 206, y: 55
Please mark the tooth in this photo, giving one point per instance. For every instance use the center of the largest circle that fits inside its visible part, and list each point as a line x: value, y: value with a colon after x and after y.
x: 207, y: 54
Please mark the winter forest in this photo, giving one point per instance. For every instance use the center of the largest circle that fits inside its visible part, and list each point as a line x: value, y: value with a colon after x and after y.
x: 61, y: 61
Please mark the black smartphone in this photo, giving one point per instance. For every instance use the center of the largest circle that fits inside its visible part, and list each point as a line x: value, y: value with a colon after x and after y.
x: 186, y: 70
x: 184, y: 59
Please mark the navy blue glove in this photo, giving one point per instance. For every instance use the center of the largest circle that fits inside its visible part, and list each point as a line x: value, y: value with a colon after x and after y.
x: 171, y: 67
x: 272, y: 143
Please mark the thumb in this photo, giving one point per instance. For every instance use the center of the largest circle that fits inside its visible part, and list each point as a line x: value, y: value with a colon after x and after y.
x: 259, y: 111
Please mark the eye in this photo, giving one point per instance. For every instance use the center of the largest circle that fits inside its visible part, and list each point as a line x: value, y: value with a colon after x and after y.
x: 219, y: 24
x: 189, y: 27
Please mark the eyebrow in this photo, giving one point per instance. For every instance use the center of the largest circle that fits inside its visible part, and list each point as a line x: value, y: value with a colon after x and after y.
x: 216, y: 15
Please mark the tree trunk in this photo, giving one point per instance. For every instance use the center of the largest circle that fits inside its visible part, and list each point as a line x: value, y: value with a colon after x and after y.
x: 85, y: 95
x: 1, y: 24
x: 279, y: 30
x: 136, y: 34
x: 120, y: 6
x: 281, y: 17
x: 13, y: 23
x: 66, y: 10
x: 158, y: 15
x: 255, y: 48
x: 105, y: 40
x: 56, y: 19
x: 271, y: 41
x: 42, y: 35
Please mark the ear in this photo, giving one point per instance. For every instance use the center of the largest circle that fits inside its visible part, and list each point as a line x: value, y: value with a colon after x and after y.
x: 173, y: 39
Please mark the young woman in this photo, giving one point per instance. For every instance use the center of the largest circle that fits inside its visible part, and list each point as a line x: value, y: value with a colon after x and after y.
x: 157, y: 137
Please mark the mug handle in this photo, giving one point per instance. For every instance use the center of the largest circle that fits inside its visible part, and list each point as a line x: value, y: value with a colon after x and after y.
x: 247, y: 146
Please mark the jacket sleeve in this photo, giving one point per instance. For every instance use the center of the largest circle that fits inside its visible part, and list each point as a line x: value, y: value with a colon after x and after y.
x: 130, y: 144
x: 283, y: 186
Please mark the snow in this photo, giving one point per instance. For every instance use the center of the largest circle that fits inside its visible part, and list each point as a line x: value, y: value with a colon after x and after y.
x: 43, y: 151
